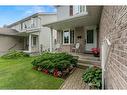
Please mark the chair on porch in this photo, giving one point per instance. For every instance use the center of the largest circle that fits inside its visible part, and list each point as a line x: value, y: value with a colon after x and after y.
x: 76, y: 48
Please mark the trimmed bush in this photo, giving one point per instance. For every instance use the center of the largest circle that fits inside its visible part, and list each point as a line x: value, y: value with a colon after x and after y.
x: 14, y: 54
x: 93, y: 76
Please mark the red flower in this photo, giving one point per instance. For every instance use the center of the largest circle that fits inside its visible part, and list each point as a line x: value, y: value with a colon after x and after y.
x: 95, y: 50
x: 46, y: 71
x: 55, y: 73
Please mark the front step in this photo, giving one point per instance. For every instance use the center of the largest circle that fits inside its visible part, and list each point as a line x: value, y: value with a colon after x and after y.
x: 83, y: 66
x: 85, y: 63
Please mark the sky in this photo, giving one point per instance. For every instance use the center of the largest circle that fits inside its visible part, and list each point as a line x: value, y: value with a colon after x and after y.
x: 11, y: 14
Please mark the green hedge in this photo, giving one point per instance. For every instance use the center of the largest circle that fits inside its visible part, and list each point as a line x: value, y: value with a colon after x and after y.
x: 50, y: 61
x: 14, y: 54
x: 93, y: 76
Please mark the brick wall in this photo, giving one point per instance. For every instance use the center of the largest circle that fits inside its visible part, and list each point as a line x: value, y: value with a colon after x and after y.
x: 113, y: 25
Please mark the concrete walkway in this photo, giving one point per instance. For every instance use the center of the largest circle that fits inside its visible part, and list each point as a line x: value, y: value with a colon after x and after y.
x: 74, y: 81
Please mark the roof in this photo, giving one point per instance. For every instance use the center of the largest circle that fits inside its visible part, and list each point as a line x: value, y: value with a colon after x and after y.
x: 8, y: 31
x: 27, y: 18
x: 91, y: 17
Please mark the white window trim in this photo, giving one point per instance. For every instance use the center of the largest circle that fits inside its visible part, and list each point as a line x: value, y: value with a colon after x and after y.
x: 69, y: 37
x: 78, y: 10
x: 33, y: 41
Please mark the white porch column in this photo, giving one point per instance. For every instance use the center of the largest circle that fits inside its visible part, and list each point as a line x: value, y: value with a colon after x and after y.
x: 51, y: 40
x: 30, y: 43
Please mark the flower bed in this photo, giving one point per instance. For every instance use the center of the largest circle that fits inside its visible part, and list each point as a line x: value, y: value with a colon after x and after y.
x: 56, y: 64
x: 93, y: 77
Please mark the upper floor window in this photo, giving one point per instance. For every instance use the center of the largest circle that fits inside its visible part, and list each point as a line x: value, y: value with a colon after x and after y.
x: 32, y: 22
x: 79, y: 9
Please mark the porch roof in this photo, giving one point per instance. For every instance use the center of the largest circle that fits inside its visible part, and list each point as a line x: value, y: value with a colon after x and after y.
x: 92, y: 17
x: 27, y: 32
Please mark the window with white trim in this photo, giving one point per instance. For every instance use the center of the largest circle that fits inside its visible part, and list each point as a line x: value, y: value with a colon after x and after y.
x: 68, y: 36
x: 79, y: 9
x: 34, y: 41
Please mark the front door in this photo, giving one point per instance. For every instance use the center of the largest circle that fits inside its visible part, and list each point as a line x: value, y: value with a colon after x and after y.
x: 90, y: 38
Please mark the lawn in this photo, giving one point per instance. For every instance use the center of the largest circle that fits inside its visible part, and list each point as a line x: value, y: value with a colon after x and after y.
x: 18, y: 74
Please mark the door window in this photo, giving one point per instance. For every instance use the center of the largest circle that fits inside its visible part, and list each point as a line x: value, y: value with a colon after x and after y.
x: 90, y: 36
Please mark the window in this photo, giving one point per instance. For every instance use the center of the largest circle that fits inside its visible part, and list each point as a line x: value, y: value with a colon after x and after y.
x: 90, y: 36
x: 34, y: 41
x: 79, y: 9
x: 32, y: 22
x: 68, y: 36
x: 71, y: 36
x: 71, y: 10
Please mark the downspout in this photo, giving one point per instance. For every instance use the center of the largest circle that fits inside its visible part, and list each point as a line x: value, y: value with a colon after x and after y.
x: 105, y: 52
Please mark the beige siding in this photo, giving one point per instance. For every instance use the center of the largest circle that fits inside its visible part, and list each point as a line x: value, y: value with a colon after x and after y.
x: 114, y: 26
x: 63, y: 12
x: 44, y: 37
x: 47, y: 18
x: 6, y: 42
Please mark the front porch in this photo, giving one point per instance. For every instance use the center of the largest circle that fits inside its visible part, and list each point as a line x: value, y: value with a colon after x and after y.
x: 82, y: 29
x: 30, y: 42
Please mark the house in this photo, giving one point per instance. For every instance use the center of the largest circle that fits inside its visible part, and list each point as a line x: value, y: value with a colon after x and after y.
x: 30, y: 33
x: 77, y: 24
x: 96, y: 26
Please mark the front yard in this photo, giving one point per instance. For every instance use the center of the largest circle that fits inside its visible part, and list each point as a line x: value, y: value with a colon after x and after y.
x: 18, y: 74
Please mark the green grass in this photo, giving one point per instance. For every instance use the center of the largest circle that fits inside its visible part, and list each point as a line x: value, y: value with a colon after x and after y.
x: 18, y: 74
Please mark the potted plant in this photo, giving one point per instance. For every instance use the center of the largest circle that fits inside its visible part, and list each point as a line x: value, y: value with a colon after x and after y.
x: 96, y: 52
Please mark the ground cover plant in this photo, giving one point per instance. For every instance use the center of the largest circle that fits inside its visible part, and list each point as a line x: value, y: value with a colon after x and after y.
x: 14, y: 54
x: 93, y: 77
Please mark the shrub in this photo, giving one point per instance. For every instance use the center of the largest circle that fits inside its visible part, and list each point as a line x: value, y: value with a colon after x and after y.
x: 14, y: 54
x: 93, y: 76
x: 53, y: 61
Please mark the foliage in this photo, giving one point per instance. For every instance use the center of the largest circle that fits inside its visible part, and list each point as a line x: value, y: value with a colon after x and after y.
x: 14, y: 54
x: 50, y: 61
x: 93, y: 76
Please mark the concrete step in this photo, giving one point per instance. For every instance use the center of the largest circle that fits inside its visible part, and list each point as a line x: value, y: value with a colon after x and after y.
x: 88, y: 61
x: 84, y: 66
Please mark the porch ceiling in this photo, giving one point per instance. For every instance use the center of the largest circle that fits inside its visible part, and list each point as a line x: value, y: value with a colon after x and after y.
x: 91, y: 18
